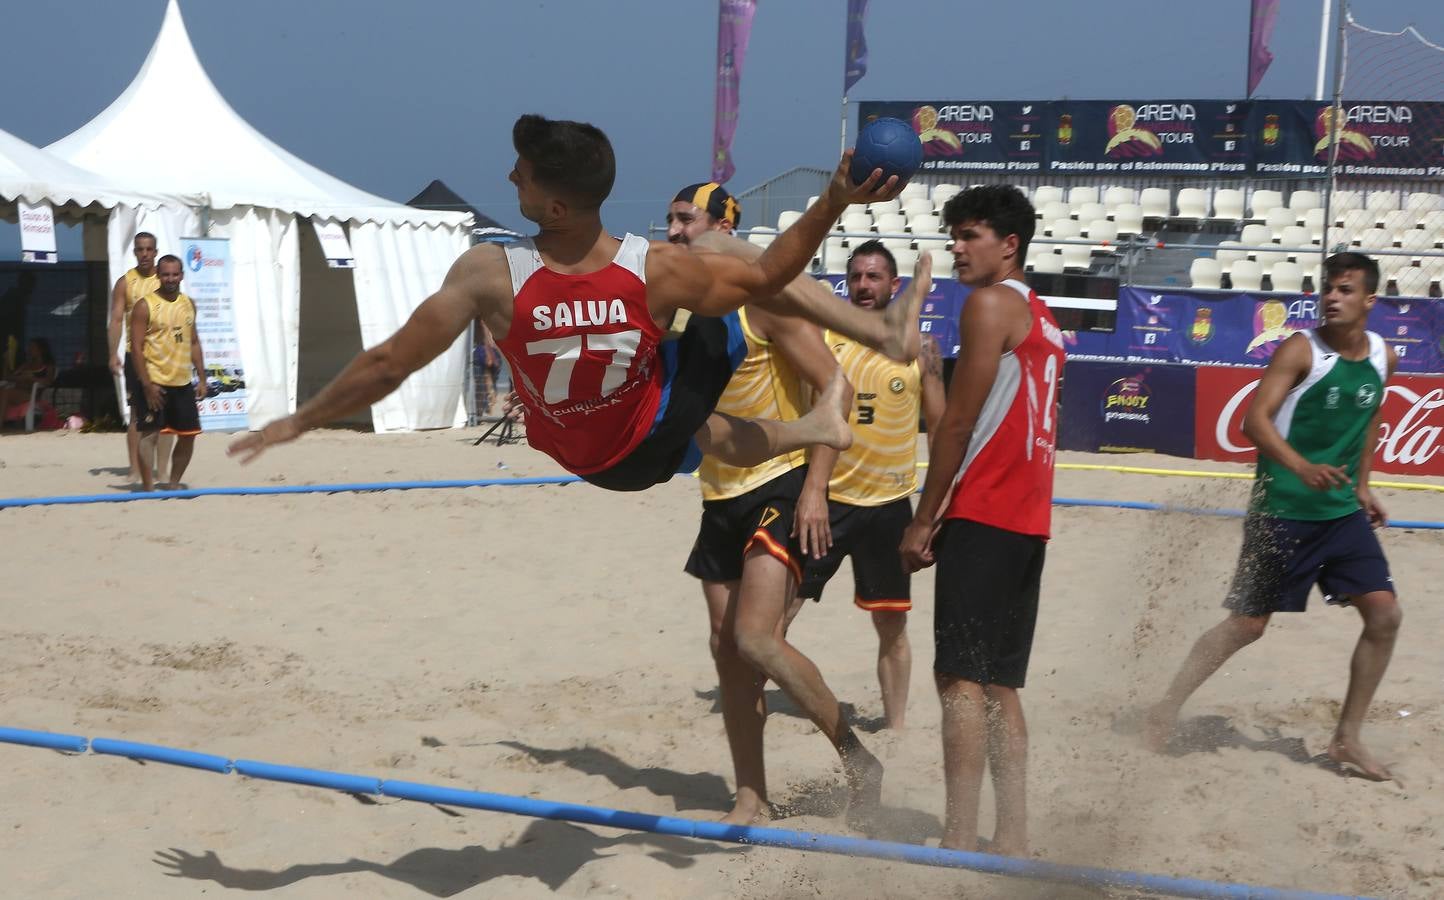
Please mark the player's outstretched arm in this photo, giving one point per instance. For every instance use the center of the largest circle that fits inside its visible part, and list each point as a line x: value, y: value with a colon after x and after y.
x: 713, y: 284
x: 375, y: 373
x: 1288, y: 366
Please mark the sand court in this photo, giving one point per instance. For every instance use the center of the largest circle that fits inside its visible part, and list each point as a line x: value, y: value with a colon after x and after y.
x: 544, y: 642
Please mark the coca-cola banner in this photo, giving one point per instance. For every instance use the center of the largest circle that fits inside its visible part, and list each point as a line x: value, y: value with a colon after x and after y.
x: 1120, y: 408
x: 1198, y: 138
x: 1221, y: 327
x: 1411, y: 434
x: 968, y: 136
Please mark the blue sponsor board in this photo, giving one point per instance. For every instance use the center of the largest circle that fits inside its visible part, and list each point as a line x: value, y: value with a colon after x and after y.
x: 1127, y: 408
x: 1166, y: 137
x: 1227, y: 328
x: 970, y: 136
x: 938, y: 315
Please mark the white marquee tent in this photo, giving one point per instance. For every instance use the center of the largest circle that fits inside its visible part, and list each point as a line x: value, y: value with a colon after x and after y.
x: 36, y: 177
x: 297, y: 321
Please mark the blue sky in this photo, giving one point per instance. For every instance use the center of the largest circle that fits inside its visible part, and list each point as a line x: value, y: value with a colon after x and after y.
x: 390, y: 95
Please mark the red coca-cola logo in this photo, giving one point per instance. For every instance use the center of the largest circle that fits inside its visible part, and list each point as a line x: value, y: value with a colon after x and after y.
x: 1411, y: 433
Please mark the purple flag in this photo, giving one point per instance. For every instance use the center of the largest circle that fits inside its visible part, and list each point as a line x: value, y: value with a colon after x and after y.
x: 1260, y: 32
x: 734, y: 27
x: 854, y: 64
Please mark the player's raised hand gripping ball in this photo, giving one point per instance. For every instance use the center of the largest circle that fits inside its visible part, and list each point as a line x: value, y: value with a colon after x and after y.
x: 887, y: 144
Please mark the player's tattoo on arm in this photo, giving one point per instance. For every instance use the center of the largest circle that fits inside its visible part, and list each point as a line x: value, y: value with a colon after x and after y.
x: 929, y: 357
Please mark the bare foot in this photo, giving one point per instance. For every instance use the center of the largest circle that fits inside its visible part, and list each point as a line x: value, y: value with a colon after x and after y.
x: 1159, y: 725
x: 747, y: 814
x: 864, y: 788
x: 904, y: 341
x: 827, y: 420
x: 1351, y: 753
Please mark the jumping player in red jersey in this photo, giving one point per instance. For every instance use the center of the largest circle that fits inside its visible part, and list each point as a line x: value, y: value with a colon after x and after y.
x: 994, y: 454
x: 581, y: 317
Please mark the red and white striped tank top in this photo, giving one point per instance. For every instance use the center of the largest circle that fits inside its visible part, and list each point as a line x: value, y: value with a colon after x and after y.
x: 1007, y: 476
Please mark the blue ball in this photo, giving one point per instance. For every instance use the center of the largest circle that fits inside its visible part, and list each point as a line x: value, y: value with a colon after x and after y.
x: 887, y: 144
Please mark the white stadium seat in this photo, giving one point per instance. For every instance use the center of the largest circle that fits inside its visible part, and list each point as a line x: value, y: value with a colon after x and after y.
x: 1376, y: 239
x: 1077, y: 256
x: 1277, y: 219
x: 1341, y: 202
x: 1228, y: 203
x: 1314, y: 224
x: 1080, y: 195
x: 1287, y: 276
x: 1129, y: 219
x: 1087, y: 212
x: 1192, y: 203
x: 1302, y: 201
x: 761, y: 236
x: 906, y: 259
x: 1102, y: 231
x: 1053, y: 211
x: 1424, y: 201
x: 1267, y: 259
x: 786, y: 218
x: 942, y: 263
x: 1044, y: 260
x: 1295, y: 239
x: 1045, y: 194
x: 917, y: 206
x: 856, y: 222
x: 1398, y: 221
x: 890, y: 223
x: 942, y: 193
x: 1157, y: 203
x: 1205, y: 273
x: 1064, y: 229
x: 1412, y: 282
x: 913, y: 190
x: 1227, y: 255
x: 897, y: 243
x: 1246, y: 276
x: 1356, y: 219
x: 1380, y: 203
x: 1417, y: 240
x: 1115, y: 197
x: 1262, y: 201
x: 1256, y: 235
x: 925, y: 224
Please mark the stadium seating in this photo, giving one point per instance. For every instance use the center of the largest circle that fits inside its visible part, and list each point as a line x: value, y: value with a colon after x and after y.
x: 1080, y: 195
x: 1087, y: 212
x: 1381, y: 203
x: 942, y: 193
x: 1228, y: 203
x: 1076, y: 256
x: 1277, y: 219
x: 1416, y: 240
x: 1295, y: 239
x: 1375, y: 239
x: 890, y: 223
x: 786, y: 218
x: 1246, y: 276
x: 1205, y: 273
x: 1192, y: 204
x: 942, y: 263
x: 913, y: 190
x: 1287, y: 276
x: 925, y: 224
x: 1064, y: 229
x: 1411, y: 282
x: 1341, y: 202
x: 1157, y: 203
x: 1262, y: 201
x: 1045, y: 194
x: 906, y: 259
x: 1300, y: 202
x: 1045, y: 260
x: 917, y: 206
x: 1424, y: 202
x: 1255, y: 235
x: 854, y: 222
x: 1268, y: 259
x: 1398, y: 221
x: 1053, y: 211
x: 761, y: 235
x: 1102, y: 231
x: 1116, y: 197
x: 1227, y: 255
x: 1314, y: 225
x: 1129, y: 219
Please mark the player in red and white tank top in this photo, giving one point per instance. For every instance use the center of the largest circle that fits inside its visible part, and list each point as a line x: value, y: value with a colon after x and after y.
x: 989, y: 484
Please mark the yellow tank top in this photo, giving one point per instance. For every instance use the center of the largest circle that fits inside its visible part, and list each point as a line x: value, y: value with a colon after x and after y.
x: 763, y: 387
x: 138, y: 286
x: 881, y: 465
x: 168, y: 339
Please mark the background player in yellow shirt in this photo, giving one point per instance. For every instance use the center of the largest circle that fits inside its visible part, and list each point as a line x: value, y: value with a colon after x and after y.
x: 136, y: 283
x: 166, y: 349
x: 868, y: 496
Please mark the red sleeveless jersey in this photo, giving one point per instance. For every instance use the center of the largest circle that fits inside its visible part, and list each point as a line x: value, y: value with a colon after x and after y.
x: 1007, y: 477
x: 583, y: 356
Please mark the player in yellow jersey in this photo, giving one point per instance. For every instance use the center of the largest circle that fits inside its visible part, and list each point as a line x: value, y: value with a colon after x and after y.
x: 868, y: 497
x: 167, y: 350
x: 758, y: 524
x: 129, y: 289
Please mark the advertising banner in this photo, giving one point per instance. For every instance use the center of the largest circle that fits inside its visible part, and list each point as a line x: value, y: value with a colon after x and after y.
x: 968, y: 136
x: 208, y: 281
x: 1411, y: 433
x: 734, y: 29
x: 1199, y: 138
x: 1127, y: 408
x: 1169, y: 137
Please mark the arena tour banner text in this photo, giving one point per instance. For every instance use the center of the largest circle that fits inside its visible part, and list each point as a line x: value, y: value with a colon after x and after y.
x: 1199, y: 138
x: 208, y: 282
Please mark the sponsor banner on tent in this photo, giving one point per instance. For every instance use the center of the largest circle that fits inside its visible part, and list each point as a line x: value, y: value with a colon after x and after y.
x: 1163, y: 137
x: 970, y: 136
x: 1125, y: 408
x: 1199, y: 138
x: 208, y: 282
x: 334, y: 244
x: 938, y: 315
x: 37, y: 233
x: 1411, y: 439
x: 1202, y: 327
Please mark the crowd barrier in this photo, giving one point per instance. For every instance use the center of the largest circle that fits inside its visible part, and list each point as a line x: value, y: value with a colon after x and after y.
x: 816, y: 842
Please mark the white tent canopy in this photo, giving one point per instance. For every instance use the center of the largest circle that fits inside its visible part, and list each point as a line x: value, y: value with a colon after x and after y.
x: 34, y: 176
x: 253, y: 191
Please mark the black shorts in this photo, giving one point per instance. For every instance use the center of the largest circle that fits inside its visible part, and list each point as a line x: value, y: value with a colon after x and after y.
x: 132, y: 381
x: 986, y: 602
x: 870, y: 535
x: 1282, y: 559
x: 696, y: 369
x: 761, y: 517
x: 177, y: 414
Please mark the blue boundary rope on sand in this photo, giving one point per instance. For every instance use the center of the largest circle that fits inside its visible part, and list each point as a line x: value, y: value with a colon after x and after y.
x: 671, y: 825
x: 364, y: 487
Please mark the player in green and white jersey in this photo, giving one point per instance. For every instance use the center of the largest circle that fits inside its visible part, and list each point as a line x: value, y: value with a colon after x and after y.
x: 1315, y: 421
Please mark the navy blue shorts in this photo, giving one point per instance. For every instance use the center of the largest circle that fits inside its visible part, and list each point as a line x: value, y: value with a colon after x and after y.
x: 696, y: 369
x: 1282, y: 559
x: 761, y: 517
